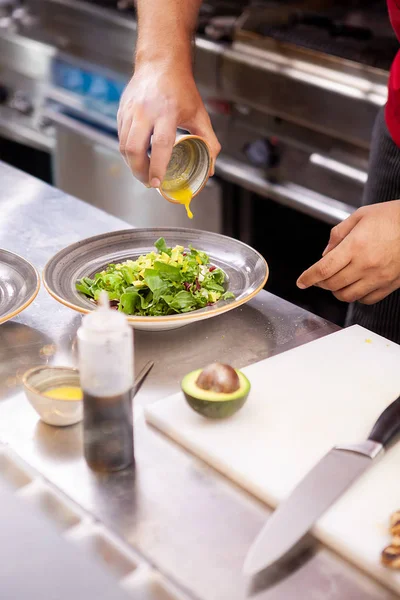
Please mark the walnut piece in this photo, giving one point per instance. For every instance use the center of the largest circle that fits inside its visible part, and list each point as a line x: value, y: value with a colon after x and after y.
x: 391, y: 557
x: 395, y: 523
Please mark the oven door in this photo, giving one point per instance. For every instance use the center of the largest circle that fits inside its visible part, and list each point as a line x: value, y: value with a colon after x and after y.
x: 87, y: 164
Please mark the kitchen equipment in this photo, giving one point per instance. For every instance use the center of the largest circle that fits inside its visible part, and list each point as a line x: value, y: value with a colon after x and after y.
x: 39, y: 380
x: 189, y: 167
x: 25, y: 139
x: 106, y: 367
x: 19, y: 284
x: 316, y: 493
x: 246, y: 270
x: 302, y: 403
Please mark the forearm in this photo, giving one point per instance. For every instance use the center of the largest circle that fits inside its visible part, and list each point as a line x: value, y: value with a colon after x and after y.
x: 166, y: 28
x: 162, y: 95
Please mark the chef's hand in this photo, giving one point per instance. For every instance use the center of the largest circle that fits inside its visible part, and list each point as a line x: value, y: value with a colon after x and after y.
x: 160, y: 97
x: 362, y: 259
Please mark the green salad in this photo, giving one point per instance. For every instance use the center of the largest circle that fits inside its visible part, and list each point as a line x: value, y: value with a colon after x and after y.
x: 163, y: 282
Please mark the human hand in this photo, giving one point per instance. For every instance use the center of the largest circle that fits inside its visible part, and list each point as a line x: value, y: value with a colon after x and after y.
x: 362, y: 259
x: 160, y: 97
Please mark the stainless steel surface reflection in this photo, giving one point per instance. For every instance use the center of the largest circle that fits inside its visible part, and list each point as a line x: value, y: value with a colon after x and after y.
x: 21, y: 346
x: 187, y: 520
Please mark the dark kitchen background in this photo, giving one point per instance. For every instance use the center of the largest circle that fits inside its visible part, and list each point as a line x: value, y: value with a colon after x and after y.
x: 293, y: 89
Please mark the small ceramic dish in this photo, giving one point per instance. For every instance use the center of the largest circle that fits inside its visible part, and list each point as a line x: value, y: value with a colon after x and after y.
x: 39, y: 380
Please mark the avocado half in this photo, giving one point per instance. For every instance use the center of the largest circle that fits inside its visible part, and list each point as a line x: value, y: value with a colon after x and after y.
x: 211, y: 404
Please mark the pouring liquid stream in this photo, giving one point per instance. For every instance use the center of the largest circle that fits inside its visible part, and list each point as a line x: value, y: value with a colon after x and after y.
x: 188, y: 170
x: 183, y: 196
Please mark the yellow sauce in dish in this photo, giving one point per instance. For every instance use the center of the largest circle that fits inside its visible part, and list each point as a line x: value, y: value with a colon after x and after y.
x: 183, y: 196
x: 71, y: 393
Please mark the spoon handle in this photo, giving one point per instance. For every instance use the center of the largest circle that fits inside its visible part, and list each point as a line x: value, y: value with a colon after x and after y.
x: 141, y: 377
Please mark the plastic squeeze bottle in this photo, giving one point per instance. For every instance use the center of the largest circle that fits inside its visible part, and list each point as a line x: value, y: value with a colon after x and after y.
x: 105, y: 343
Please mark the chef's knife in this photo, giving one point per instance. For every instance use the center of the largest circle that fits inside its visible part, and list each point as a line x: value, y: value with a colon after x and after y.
x: 320, y: 488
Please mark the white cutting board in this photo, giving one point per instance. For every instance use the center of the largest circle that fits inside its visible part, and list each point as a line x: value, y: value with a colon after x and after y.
x: 302, y: 403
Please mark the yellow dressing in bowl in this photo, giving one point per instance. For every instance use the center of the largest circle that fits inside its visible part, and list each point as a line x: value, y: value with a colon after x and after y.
x: 64, y: 393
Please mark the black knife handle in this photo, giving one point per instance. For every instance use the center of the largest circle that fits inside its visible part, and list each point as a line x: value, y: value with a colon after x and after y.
x: 387, y: 427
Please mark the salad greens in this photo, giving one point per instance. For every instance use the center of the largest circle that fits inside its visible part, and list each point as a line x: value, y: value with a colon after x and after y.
x: 163, y: 282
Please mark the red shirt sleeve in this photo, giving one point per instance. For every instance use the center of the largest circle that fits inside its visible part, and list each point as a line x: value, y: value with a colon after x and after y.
x: 392, y: 111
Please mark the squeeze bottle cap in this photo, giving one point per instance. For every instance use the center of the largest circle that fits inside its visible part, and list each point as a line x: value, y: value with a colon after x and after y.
x: 104, y: 318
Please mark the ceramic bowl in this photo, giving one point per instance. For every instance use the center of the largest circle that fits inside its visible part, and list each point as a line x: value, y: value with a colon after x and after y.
x: 245, y: 269
x: 19, y: 284
x: 38, y: 380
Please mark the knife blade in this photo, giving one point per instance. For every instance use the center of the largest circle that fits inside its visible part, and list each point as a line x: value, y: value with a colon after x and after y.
x: 319, y: 489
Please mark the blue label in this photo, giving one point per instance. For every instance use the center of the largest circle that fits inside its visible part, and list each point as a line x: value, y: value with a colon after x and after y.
x: 98, y: 92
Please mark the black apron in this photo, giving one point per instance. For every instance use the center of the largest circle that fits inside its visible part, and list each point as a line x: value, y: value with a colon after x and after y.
x: 383, y: 185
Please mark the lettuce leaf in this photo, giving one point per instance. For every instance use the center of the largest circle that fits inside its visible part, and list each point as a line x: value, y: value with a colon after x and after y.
x: 165, y: 282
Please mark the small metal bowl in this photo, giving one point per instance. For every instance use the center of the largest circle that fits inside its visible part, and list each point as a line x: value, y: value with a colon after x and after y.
x: 189, y: 167
x: 39, y: 380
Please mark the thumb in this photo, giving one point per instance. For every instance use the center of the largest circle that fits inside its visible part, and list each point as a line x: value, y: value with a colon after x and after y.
x: 340, y: 231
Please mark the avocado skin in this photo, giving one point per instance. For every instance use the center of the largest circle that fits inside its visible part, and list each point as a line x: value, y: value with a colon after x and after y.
x: 214, y: 407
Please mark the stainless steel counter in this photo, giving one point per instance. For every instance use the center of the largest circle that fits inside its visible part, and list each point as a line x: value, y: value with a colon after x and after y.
x: 188, y: 521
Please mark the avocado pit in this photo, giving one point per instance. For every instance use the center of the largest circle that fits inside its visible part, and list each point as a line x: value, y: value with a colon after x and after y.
x: 216, y: 392
x: 219, y: 378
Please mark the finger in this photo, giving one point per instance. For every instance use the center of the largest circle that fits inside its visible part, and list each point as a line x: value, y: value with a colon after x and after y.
x: 327, y: 267
x: 136, y: 146
x: 343, y: 279
x: 340, y: 231
x: 355, y: 291
x: 123, y: 132
x: 120, y: 115
x: 378, y: 295
x: 161, y: 149
x: 202, y: 127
